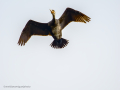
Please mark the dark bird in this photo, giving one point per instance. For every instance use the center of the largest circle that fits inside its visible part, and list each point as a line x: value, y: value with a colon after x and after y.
x: 52, y: 28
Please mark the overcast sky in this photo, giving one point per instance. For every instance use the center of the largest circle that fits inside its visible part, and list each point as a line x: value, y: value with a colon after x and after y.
x: 91, y: 61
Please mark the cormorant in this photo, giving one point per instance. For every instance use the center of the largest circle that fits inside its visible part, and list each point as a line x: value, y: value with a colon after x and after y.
x: 52, y: 28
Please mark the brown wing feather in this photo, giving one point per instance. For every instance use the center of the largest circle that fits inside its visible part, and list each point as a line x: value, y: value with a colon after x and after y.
x: 33, y: 28
x: 70, y: 15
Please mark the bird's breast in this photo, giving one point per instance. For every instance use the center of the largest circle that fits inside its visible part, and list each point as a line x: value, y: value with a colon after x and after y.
x: 56, y: 30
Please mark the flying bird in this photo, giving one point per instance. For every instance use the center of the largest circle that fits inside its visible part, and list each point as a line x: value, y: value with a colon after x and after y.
x: 53, y: 28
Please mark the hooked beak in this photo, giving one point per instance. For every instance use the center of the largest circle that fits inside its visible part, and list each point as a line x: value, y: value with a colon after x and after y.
x: 50, y: 10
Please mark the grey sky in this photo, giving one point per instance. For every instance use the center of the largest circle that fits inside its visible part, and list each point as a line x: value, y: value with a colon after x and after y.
x: 91, y: 61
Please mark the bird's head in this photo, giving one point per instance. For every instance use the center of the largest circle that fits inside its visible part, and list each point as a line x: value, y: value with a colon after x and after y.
x: 52, y: 12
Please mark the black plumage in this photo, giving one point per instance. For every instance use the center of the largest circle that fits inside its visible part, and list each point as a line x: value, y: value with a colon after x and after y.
x: 53, y: 28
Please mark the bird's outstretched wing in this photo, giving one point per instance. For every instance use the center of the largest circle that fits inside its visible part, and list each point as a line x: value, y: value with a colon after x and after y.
x: 70, y: 15
x: 33, y: 28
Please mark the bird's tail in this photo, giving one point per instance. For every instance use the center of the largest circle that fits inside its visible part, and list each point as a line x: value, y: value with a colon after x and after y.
x: 61, y: 43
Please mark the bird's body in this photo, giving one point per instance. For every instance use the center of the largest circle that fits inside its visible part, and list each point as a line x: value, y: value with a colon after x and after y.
x: 56, y: 30
x: 53, y: 28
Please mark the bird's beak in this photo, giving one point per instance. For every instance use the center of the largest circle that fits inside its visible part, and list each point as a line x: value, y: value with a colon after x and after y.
x: 50, y: 10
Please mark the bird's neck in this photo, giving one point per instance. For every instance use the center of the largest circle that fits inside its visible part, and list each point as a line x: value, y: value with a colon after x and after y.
x: 53, y: 18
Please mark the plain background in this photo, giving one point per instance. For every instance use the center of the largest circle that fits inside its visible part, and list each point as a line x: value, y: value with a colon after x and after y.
x: 91, y: 61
